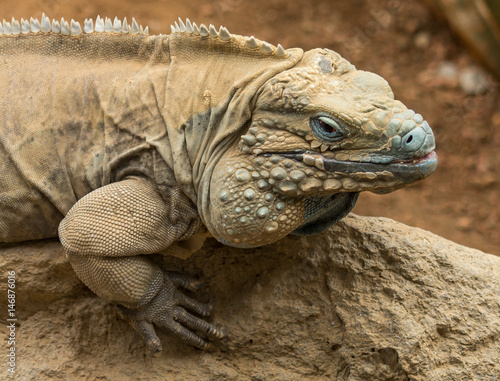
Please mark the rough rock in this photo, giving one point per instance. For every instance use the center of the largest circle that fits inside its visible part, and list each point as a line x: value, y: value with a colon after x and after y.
x: 370, y: 299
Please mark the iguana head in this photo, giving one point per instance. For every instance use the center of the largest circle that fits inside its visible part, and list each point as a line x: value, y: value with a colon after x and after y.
x: 320, y: 133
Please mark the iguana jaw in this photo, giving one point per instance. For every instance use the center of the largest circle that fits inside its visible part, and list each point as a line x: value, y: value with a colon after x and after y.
x: 401, y: 172
x: 256, y: 198
x: 324, y: 211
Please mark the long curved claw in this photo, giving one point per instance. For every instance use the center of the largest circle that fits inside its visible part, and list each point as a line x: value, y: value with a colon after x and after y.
x: 144, y: 329
x: 192, y: 322
x: 168, y: 310
x: 185, y: 334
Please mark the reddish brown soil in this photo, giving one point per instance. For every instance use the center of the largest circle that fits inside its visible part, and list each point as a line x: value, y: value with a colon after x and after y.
x: 399, y: 39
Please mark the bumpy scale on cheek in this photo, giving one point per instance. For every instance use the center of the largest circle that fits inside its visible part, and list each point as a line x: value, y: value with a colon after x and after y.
x: 249, y: 211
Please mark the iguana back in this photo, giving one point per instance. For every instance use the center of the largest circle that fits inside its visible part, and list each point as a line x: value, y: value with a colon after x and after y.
x: 63, y: 98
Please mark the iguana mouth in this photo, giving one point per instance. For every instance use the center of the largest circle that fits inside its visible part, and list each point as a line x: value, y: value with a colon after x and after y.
x: 407, y: 171
x: 321, y: 212
x: 430, y: 156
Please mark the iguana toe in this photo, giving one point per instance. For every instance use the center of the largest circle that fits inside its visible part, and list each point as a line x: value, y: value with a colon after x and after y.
x: 192, y: 322
x: 184, y: 333
x: 148, y: 334
x: 203, y: 309
x: 170, y: 310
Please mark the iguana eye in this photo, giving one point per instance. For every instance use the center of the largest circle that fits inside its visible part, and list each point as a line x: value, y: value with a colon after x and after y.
x: 326, y: 129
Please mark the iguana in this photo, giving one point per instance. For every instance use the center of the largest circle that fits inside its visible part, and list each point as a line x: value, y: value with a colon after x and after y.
x: 124, y: 144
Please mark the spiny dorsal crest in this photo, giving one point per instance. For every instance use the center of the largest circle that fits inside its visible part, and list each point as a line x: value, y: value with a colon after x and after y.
x: 223, y: 35
x: 71, y: 28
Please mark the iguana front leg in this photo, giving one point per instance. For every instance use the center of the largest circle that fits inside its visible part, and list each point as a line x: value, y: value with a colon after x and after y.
x: 105, y: 235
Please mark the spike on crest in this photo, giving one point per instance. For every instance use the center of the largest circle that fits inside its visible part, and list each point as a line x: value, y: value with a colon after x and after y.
x: 212, y: 31
x: 224, y: 34
x: 251, y: 42
x: 25, y: 26
x: 266, y: 48
x: 182, y: 27
x: 76, y: 29
x: 7, y: 28
x: 16, y: 27
x: 34, y: 25
x: 99, y: 24
x: 196, y: 30
x: 56, y: 27
x: 88, y: 26
x: 117, y: 25
x: 125, y: 27
x: 280, y: 52
x: 108, y: 26
x: 64, y: 27
x: 45, y: 25
x: 203, y: 30
x: 135, y: 27
x: 189, y: 26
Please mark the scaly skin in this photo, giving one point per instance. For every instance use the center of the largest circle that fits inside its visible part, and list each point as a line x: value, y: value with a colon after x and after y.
x: 126, y: 145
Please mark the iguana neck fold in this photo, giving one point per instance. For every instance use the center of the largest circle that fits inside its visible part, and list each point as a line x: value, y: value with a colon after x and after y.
x: 208, y: 97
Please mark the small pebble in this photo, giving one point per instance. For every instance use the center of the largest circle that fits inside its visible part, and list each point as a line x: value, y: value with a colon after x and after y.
x: 447, y: 70
x: 473, y: 81
x: 422, y: 40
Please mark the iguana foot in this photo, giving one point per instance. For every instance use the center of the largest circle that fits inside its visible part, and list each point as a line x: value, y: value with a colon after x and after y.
x: 169, y: 310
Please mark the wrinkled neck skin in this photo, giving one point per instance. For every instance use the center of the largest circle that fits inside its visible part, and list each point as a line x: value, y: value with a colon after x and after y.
x: 208, y: 99
x: 285, y: 176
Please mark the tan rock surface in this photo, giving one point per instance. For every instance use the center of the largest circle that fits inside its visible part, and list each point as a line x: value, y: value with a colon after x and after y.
x: 371, y: 299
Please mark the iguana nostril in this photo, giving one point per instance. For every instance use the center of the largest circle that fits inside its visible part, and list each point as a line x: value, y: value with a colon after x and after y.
x: 413, y: 140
